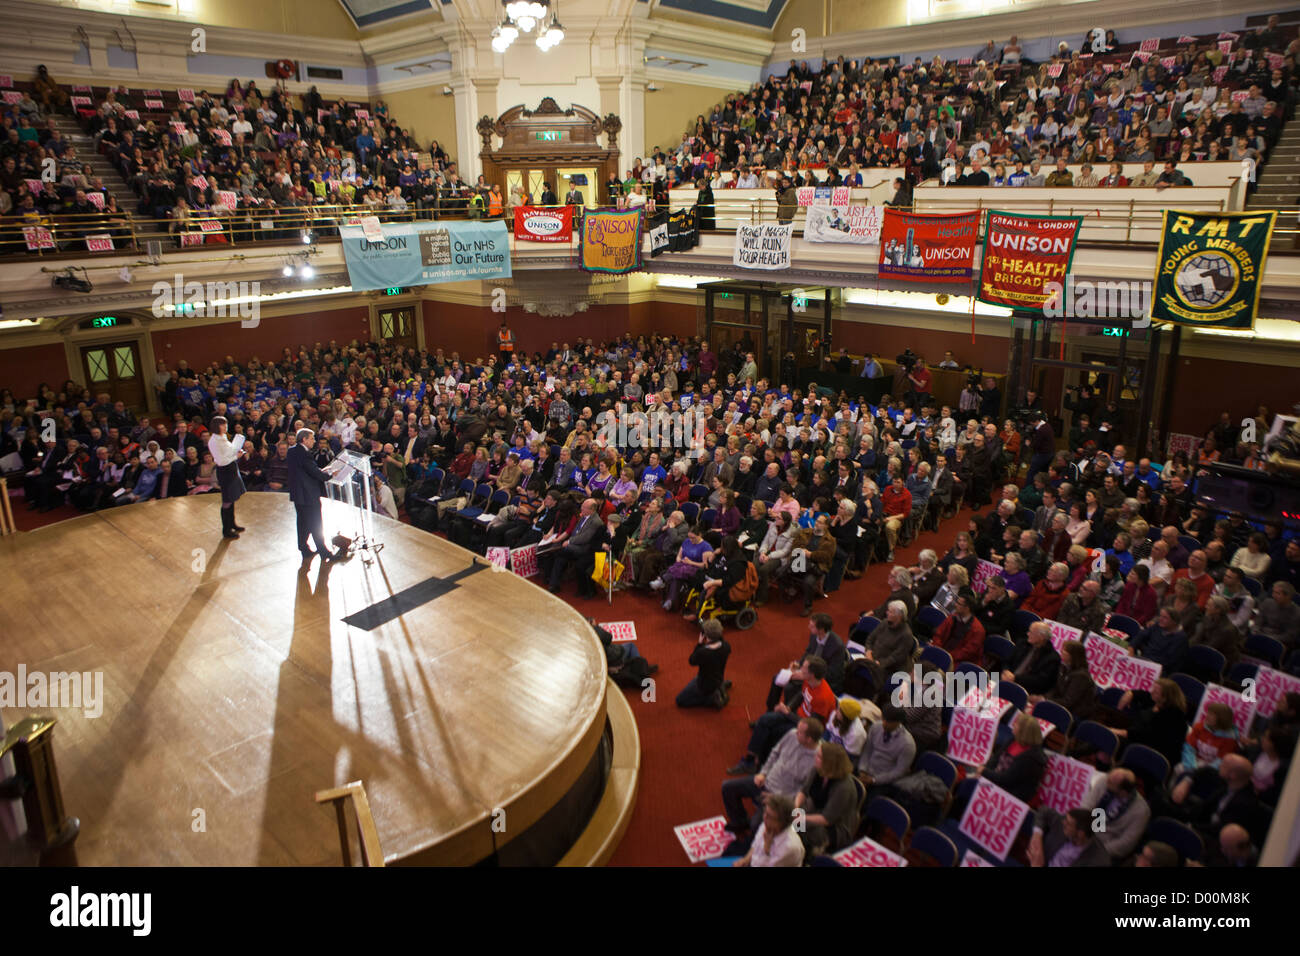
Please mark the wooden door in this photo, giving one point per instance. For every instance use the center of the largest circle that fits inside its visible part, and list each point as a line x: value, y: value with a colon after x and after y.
x: 114, y: 367
x: 398, y: 326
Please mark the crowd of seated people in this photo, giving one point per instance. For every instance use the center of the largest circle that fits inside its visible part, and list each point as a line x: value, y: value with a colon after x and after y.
x: 784, y: 484
x: 994, y: 119
x: 275, y: 152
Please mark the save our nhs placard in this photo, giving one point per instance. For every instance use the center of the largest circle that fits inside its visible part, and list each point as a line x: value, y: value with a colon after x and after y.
x: 409, y: 254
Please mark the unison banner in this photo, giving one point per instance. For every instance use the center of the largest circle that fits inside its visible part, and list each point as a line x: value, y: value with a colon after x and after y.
x: 765, y: 246
x: 544, y: 223
x: 410, y: 254
x: 1022, y: 254
x: 857, y: 224
x: 611, y: 240
x: 1209, y: 268
x: 919, y: 247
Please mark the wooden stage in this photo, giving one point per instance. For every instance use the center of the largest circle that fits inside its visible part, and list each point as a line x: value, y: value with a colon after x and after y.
x: 233, y: 686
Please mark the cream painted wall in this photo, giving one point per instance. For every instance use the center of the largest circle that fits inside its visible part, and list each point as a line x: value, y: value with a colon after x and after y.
x: 675, y: 105
x: 318, y: 18
x: 428, y: 114
x: 812, y: 15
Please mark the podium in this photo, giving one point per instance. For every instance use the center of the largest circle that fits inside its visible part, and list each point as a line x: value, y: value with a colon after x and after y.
x: 349, y: 484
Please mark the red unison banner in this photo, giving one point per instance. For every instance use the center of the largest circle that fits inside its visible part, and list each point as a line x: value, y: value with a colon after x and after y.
x: 1023, y: 255
x: 928, y: 248
x: 544, y: 223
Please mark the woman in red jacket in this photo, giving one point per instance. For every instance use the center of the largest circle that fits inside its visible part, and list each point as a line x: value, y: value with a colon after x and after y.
x: 677, y: 484
x: 1139, y: 600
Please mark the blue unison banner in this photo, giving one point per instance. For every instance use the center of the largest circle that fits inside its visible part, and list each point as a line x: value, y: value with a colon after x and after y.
x: 422, y: 253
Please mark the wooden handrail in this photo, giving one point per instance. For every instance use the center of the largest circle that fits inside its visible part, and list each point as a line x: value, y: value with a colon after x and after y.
x: 7, y: 525
x: 367, y: 835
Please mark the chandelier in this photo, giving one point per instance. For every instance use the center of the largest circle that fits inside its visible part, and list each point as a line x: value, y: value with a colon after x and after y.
x: 523, y: 16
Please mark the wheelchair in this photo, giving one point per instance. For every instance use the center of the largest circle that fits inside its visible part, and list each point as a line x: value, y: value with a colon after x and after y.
x: 710, y: 608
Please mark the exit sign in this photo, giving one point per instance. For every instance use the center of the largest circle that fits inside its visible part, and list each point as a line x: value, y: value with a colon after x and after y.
x: 1115, y: 331
x: 394, y: 290
x: 549, y: 135
x: 104, y: 322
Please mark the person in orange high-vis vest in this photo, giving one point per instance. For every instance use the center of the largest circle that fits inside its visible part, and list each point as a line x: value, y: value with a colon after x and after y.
x: 495, y: 204
x: 505, y: 344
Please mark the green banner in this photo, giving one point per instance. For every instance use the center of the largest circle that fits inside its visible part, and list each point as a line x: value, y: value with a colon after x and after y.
x: 1210, y: 268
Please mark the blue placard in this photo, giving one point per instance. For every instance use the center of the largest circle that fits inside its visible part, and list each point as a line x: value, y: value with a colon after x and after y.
x: 411, y: 254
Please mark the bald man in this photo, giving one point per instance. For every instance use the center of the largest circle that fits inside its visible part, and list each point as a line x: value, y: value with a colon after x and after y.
x: 1127, y: 812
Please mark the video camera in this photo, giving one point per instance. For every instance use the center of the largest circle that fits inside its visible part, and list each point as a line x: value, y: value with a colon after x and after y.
x: 906, y: 361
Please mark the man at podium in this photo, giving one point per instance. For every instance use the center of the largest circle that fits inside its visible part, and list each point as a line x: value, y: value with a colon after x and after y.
x: 306, y: 488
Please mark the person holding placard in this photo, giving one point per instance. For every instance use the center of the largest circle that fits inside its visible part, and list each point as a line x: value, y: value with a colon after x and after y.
x: 1018, y: 767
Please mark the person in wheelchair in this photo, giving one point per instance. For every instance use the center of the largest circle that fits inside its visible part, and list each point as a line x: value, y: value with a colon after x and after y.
x: 725, y: 568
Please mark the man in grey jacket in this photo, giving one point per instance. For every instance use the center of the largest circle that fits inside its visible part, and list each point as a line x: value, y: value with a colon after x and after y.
x: 1127, y: 812
x: 785, y: 771
x: 890, y: 645
x: 888, y: 753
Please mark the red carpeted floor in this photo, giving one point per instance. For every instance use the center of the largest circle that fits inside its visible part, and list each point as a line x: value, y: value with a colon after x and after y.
x: 685, y: 753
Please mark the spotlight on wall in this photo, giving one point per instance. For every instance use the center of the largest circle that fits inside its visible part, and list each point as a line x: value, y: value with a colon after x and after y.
x: 447, y: 91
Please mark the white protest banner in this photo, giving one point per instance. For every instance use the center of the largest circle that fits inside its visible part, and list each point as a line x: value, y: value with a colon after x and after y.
x: 1240, y: 96
x: 822, y: 195
x: 209, y: 225
x: 1185, y: 38
x: 1102, y: 655
x: 463, y: 386
x: 523, y: 561
x: 38, y: 237
x: 986, y: 702
x: 498, y: 557
x: 971, y: 858
x: 993, y: 818
x: 79, y: 101
x: 983, y: 572
x: 1275, y: 61
x: 185, y: 96
x: 371, y: 228
x: 1270, y: 687
x: 856, y: 224
x: 621, y: 631
x: 1055, y: 69
x: 1065, y: 782
x: 764, y: 246
x: 153, y: 104
x: 192, y: 239
x: 1142, y: 55
x: 133, y: 114
x: 200, y: 182
x: 1168, y: 62
x: 222, y: 136
x: 1219, y: 73
x: 95, y: 199
x: 704, y: 839
x: 1062, y: 633
x: 12, y: 96
x: 1151, y: 44
x: 100, y: 243
x: 1243, y: 711
x: 1134, y: 673
x: 227, y: 199
x: 970, y: 736
x: 363, y: 114
x: 867, y: 852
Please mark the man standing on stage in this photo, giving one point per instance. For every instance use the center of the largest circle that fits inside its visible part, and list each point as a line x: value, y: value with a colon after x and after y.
x: 226, y: 455
x: 306, y: 487
x: 505, y: 344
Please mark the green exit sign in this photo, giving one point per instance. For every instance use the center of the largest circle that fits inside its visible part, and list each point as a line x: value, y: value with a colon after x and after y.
x: 394, y: 290
x: 104, y: 322
x: 549, y: 136
x: 1115, y: 331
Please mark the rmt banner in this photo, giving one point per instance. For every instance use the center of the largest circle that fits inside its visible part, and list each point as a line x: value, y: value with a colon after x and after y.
x: 1209, y: 268
x: 917, y: 247
x: 765, y: 246
x: 1022, y: 255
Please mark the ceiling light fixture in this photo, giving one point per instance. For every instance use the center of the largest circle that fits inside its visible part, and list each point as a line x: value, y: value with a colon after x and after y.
x: 523, y: 16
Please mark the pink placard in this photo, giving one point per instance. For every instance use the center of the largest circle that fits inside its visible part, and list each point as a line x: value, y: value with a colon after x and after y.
x: 38, y: 237
x: 1243, y: 711
x: 363, y: 114
x: 704, y: 839
x: 191, y: 239
x: 1062, y: 633
x: 153, y: 104
x: 1102, y: 656
x: 971, y: 858
x: 984, y: 570
x: 1065, y: 783
x: 222, y: 136
x: 993, y: 818
x: 1055, y: 69
x: 95, y: 199
x: 523, y: 561
x: 1168, y: 62
x: 209, y: 225
x: 1226, y: 35
x: 970, y: 736
x: 1225, y: 47
x: 621, y: 631
x: 79, y: 100
x: 227, y: 198
x: 200, y: 182
x: 185, y: 96
x: 1151, y: 44
x: 1186, y: 39
x: 12, y: 96
x: 35, y: 186
x: 498, y: 557
x: 99, y: 243
x: 132, y: 114
x: 867, y: 852
x: 1270, y: 686
x: 1240, y: 96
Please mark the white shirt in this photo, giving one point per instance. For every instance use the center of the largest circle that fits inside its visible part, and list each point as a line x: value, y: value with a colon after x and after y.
x: 1160, y: 571
x: 787, y: 848
x: 224, y: 451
